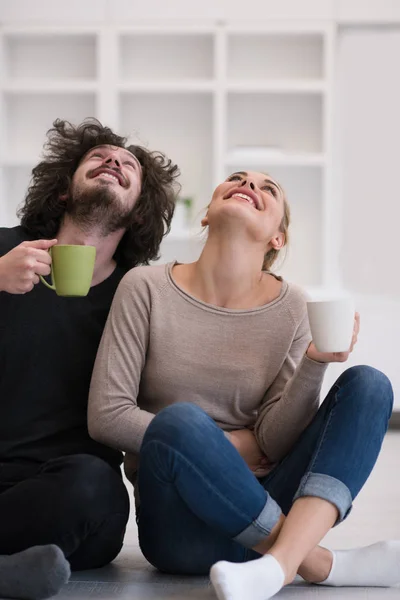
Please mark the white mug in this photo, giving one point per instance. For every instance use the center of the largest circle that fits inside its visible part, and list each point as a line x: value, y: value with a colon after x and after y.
x: 332, y: 323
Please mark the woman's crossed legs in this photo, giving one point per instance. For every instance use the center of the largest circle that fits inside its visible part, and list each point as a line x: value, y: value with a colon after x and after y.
x: 201, y: 505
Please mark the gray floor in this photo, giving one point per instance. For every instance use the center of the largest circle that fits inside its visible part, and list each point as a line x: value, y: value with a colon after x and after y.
x: 375, y: 516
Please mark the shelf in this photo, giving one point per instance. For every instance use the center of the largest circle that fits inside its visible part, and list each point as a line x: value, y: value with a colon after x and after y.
x: 189, y: 85
x: 166, y: 57
x: 34, y: 30
x: 50, y: 56
x: 264, y: 158
x: 15, y: 183
x: 29, y: 116
x: 19, y: 161
x: 274, y: 55
x: 304, y: 189
x: 214, y: 98
x: 41, y: 86
x: 277, y: 86
x: 292, y: 122
x: 181, y: 126
x: 177, y: 29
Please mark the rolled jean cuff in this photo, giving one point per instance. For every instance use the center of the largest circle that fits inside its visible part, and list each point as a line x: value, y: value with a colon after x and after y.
x: 261, y: 527
x: 328, y: 488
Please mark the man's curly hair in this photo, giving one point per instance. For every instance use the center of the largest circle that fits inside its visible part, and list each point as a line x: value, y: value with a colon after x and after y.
x: 42, y: 211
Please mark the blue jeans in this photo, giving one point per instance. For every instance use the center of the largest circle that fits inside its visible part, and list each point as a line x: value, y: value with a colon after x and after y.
x: 200, y: 503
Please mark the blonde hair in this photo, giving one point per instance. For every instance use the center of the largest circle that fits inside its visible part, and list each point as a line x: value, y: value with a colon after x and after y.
x: 272, y: 254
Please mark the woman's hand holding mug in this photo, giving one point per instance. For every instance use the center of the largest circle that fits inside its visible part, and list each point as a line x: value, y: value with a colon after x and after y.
x: 328, y: 357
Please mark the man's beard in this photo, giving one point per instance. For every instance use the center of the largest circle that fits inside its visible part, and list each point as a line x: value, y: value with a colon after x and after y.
x: 98, y: 208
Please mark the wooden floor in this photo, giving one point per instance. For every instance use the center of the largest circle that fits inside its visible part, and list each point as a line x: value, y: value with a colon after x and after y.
x: 375, y: 516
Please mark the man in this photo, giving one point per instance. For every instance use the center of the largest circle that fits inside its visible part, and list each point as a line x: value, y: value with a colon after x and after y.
x: 58, y: 486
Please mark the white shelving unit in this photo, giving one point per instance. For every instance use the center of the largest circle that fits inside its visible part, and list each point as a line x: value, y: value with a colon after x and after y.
x: 214, y: 98
x: 278, y: 104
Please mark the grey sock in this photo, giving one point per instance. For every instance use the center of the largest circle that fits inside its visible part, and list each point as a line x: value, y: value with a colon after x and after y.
x: 33, y: 574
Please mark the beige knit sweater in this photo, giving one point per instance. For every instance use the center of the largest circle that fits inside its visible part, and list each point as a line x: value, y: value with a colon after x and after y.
x: 245, y: 368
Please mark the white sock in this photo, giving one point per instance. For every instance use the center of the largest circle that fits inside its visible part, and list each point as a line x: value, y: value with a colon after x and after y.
x: 372, y: 566
x: 258, y: 579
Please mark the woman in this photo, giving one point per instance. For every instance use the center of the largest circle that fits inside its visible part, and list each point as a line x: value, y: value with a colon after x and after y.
x: 206, y: 373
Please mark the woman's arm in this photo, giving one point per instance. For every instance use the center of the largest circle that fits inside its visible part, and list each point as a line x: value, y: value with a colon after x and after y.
x: 292, y: 400
x: 114, y: 417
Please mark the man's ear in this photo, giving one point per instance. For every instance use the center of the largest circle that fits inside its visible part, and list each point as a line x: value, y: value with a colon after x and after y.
x: 63, y: 197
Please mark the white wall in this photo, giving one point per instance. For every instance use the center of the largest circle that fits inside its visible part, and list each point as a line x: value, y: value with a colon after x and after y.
x: 369, y: 118
x: 367, y: 11
x: 368, y: 190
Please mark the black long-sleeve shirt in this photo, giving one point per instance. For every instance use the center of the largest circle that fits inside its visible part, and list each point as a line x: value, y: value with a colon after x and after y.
x: 48, y: 346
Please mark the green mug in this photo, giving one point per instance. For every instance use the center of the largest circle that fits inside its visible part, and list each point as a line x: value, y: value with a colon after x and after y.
x: 71, y: 270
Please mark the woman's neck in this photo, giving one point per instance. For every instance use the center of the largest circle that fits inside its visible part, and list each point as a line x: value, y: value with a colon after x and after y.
x: 70, y: 233
x: 229, y: 274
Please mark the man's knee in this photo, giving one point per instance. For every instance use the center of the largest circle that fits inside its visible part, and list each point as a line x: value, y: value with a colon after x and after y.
x: 89, y: 486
